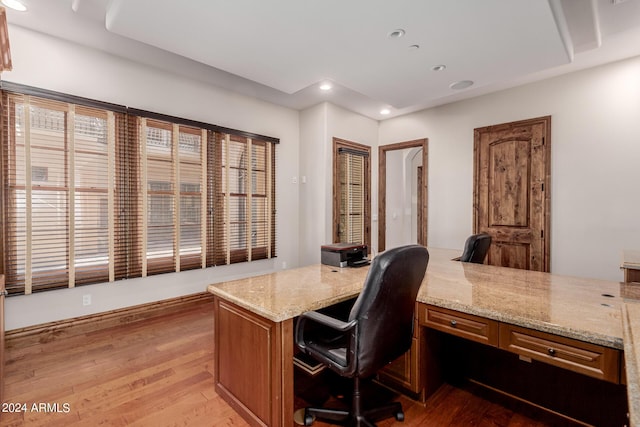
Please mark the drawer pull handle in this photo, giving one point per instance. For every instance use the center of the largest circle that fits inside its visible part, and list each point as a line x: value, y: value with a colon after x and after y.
x: 453, y: 323
x: 552, y: 352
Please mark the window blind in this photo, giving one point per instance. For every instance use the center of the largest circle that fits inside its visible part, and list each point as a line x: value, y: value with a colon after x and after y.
x: 58, y: 171
x: 128, y: 218
x: 351, y: 192
x: 242, y: 199
x: 94, y: 195
x: 352, y: 203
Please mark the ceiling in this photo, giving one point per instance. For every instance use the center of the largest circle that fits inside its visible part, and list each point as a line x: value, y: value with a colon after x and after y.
x: 282, y: 50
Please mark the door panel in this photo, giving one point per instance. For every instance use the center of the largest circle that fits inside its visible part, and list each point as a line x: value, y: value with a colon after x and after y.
x: 510, y: 255
x: 509, y: 169
x: 511, y: 192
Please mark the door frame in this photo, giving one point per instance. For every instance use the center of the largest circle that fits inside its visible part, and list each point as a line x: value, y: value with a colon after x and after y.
x: 546, y: 210
x: 382, y: 188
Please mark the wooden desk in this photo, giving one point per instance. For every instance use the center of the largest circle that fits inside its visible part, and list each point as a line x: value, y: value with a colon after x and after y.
x: 254, y: 318
x: 254, y: 335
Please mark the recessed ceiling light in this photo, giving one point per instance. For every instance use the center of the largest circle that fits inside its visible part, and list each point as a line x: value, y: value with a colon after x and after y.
x: 385, y: 111
x: 396, y: 34
x: 15, y: 5
x: 438, y: 67
x: 326, y: 86
x: 462, y: 84
x: 414, y: 47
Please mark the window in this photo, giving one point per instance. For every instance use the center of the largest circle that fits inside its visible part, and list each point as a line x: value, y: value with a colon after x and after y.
x: 351, y: 190
x: 244, y: 199
x: 94, y: 193
x: 172, y: 161
x: 55, y: 227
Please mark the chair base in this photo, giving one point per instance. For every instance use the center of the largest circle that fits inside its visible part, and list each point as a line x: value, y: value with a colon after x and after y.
x: 347, y: 418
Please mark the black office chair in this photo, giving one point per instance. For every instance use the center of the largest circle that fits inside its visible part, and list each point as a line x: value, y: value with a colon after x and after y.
x: 378, y: 331
x: 476, y: 248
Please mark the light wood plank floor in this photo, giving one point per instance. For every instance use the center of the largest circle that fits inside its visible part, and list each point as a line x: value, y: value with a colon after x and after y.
x: 159, y: 372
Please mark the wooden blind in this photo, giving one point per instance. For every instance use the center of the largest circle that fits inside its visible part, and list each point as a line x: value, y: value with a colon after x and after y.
x: 173, y: 159
x: 94, y: 195
x: 59, y: 192
x: 352, y: 203
x: 351, y: 188
x: 191, y: 178
x: 242, y: 199
x: 128, y: 218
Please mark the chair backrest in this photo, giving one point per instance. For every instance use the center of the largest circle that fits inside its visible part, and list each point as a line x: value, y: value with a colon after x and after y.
x: 476, y: 248
x: 386, y: 305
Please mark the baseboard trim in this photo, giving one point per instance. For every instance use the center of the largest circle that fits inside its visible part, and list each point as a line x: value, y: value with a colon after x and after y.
x: 106, y: 319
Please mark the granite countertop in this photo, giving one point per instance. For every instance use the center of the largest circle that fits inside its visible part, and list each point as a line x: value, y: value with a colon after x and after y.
x: 573, y: 307
x: 631, y: 324
x: 288, y: 293
x: 584, y: 309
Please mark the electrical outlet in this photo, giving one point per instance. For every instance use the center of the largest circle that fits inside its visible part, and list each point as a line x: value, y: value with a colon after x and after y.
x: 86, y: 299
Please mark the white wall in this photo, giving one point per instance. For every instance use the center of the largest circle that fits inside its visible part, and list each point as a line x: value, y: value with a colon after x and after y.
x: 314, y: 152
x: 595, y: 158
x: 318, y: 126
x: 57, y: 65
x: 353, y: 127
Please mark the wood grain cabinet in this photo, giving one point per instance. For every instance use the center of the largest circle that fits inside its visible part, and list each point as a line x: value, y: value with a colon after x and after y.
x: 254, y: 364
x: 463, y: 325
x: 578, y: 356
x: 405, y: 372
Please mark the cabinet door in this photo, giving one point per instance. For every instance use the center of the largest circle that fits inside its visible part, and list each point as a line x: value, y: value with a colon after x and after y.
x: 404, y: 371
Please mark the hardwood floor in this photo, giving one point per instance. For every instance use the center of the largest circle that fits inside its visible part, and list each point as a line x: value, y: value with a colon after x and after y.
x: 158, y: 372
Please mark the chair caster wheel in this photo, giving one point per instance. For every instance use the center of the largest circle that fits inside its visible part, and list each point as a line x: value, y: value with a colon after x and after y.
x: 308, y: 419
x: 302, y: 418
x: 399, y: 416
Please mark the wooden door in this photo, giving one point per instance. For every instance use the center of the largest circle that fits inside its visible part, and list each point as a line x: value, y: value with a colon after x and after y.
x: 511, y: 194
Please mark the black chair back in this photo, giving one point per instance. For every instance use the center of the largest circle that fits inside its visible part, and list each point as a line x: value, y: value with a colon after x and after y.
x: 476, y: 248
x: 386, y: 305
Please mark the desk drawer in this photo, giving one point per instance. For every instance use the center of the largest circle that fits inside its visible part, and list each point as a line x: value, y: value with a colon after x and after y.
x: 585, y: 358
x: 464, y: 325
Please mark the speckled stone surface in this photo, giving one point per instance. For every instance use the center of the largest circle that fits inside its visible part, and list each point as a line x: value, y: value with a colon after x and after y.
x: 579, y: 308
x: 631, y: 324
x: 289, y: 293
x: 567, y: 306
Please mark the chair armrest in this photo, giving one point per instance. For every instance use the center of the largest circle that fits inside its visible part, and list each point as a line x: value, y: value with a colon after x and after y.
x: 322, y: 319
